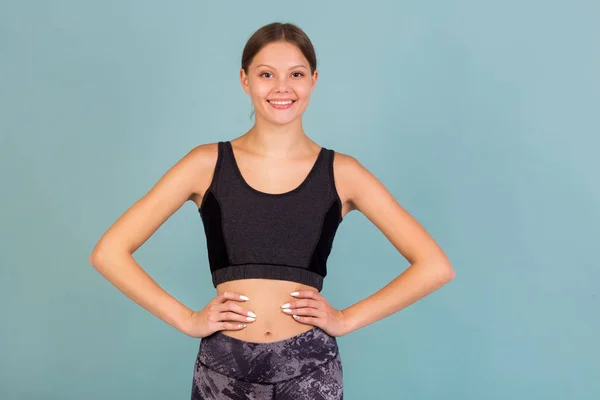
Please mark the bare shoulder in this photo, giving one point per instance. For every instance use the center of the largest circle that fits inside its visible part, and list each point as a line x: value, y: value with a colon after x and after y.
x: 204, y: 159
x: 346, y: 168
x: 205, y: 155
x: 361, y: 189
x: 195, y: 169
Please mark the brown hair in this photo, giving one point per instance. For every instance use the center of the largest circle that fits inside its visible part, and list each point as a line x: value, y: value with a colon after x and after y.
x: 279, y: 32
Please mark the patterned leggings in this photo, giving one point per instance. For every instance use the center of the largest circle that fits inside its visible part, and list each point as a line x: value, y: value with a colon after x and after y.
x: 306, y: 366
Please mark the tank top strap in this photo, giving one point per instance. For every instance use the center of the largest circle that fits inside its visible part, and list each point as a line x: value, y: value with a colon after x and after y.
x: 224, y: 172
x: 330, y: 160
x: 324, y: 171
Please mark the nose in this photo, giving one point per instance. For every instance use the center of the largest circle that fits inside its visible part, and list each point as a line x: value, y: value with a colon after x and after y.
x: 282, y: 85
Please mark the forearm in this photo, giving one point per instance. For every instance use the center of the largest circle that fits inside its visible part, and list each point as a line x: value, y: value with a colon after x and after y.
x: 414, y: 283
x: 126, y: 275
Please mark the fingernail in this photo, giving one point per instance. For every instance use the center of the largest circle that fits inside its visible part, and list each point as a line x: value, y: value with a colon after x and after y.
x: 286, y: 305
x: 294, y: 294
x: 250, y: 319
x: 244, y: 298
x: 287, y: 310
x: 242, y: 326
x: 250, y: 313
x: 295, y: 316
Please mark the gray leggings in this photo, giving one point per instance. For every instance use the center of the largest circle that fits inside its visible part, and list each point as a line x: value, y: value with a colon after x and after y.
x: 306, y: 366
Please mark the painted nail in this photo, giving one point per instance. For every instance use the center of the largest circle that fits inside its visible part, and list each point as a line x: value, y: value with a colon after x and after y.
x: 250, y: 319
x: 295, y: 316
x: 244, y: 298
x: 250, y: 313
x: 241, y: 325
x: 294, y: 294
x: 286, y: 305
x: 287, y: 310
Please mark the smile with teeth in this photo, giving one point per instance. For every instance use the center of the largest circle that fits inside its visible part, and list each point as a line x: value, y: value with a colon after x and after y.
x: 281, y: 103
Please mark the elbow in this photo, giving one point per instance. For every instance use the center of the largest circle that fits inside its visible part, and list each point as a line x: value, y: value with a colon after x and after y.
x: 440, y: 270
x: 99, y: 255
x: 95, y: 257
x: 447, y: 271
x: 105, y: 254
x: 451, y: 274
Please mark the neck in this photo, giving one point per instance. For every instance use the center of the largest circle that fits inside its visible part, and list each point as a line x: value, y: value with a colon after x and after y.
x: 269, y: 139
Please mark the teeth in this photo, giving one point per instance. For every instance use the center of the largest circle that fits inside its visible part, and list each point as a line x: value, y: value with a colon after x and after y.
x: 281, y: 103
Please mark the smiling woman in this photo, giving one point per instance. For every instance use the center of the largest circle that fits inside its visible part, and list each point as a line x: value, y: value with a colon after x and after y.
x: 271, y: 202
x: 281, y: 75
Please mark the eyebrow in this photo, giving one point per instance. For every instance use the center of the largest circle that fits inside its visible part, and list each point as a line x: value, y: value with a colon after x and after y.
x: 295, y: 66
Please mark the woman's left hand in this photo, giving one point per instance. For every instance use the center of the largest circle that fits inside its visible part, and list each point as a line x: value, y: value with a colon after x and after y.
x: 313, y: 309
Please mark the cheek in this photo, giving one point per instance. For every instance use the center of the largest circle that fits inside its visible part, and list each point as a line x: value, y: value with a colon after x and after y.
x: 260, y: 92
x: 303, y: 91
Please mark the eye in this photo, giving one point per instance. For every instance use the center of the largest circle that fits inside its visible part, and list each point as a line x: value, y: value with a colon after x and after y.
x: 297, y: 74
x: 266, y: 73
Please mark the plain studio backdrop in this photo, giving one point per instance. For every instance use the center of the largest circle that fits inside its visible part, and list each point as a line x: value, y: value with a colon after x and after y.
x: 481, y: 117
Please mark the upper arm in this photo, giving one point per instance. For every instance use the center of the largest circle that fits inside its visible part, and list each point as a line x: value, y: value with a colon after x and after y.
x: 368, y: 195
x: 180, y: 183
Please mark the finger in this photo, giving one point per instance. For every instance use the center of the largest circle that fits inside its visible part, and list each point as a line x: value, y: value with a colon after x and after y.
x: 307, y: 320
x: 231, y: 316
x: 223, y: 297
x: 233, y: 307
x: 309, y: 312
x: 307, y: 294
x: 303, y: 303
x: 230, y: 326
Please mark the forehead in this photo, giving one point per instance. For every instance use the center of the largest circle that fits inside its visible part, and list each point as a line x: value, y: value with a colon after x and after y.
x: 280, y: 54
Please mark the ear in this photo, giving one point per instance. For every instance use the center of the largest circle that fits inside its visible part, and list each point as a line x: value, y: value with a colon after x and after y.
x: 315, y: 76
x: 244, y: 81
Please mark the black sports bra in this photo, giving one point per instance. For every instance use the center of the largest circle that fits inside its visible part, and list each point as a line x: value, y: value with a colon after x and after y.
x: 253, y: 234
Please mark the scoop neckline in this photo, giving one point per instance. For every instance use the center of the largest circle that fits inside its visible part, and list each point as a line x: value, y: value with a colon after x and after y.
x: 260, y: 192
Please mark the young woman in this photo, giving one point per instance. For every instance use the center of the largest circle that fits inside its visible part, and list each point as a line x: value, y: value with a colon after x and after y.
x: 271, y: 202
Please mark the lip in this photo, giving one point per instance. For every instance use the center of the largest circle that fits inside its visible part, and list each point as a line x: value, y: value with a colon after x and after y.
x: 279, y: 106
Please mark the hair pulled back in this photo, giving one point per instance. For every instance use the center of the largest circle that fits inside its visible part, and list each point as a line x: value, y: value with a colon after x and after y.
x: 279, y: 32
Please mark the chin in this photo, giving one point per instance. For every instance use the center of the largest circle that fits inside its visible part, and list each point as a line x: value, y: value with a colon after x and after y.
x: 282, y: 120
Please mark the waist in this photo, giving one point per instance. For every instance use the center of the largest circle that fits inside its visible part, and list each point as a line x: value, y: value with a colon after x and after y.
x: 305, y: 276
x: 266, y: 298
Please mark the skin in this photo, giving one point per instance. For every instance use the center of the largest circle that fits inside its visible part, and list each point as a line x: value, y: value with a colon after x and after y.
x: 274, y: 156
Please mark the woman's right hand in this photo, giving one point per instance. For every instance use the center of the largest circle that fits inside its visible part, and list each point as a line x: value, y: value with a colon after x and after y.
x: 221, y: 313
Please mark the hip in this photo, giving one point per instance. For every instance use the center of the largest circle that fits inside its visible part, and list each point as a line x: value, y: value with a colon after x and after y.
x: 268, y: 362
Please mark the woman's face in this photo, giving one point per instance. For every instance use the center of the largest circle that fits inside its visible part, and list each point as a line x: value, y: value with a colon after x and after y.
x: 279, y: 83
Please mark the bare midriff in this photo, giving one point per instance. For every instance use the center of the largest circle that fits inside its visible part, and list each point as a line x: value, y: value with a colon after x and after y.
x: 266, y: 298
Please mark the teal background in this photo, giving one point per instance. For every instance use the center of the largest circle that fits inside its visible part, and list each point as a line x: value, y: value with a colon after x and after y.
x: 481, y: 117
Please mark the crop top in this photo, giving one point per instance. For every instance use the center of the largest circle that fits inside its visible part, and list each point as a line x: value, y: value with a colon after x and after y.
x: 285, y: 236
